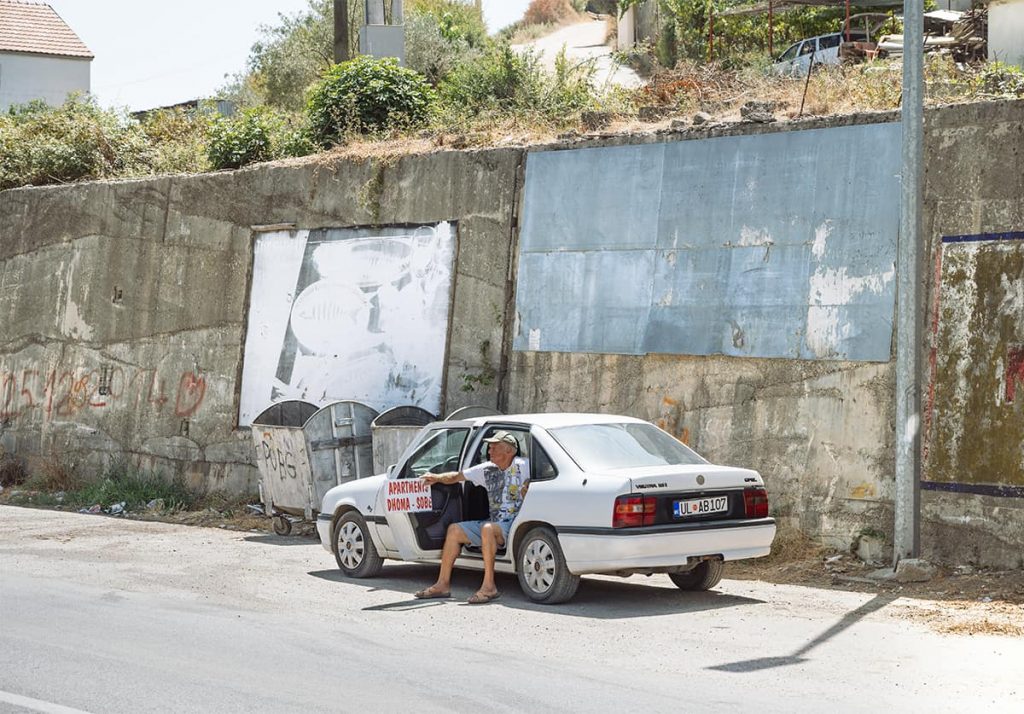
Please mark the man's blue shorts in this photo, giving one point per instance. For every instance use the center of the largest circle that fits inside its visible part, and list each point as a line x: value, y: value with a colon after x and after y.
x: 472, y: 529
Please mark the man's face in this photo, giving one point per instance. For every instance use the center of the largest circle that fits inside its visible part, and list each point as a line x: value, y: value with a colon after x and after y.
x: 501, y: 453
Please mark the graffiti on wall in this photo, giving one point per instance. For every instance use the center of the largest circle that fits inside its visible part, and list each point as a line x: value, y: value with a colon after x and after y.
x: 43, y: 393
x: 777, y: 245
x: 356, y: 314
x: 974, y: 414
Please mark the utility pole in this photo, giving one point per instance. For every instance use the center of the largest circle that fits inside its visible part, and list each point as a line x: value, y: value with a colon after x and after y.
x: 906, y: 535
x: 341, y: 48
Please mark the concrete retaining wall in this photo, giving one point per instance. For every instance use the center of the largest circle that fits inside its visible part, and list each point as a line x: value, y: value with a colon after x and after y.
x: 123, y: 316
x: 123, y: 304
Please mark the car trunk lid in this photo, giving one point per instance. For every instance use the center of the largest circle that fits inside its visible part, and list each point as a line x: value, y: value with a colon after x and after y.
x: 701, y: 492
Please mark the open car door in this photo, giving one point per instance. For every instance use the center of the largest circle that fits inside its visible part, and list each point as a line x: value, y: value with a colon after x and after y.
x: 419, y: 535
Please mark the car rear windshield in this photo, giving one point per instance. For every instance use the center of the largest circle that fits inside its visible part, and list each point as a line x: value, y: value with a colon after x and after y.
x: 608, y: 447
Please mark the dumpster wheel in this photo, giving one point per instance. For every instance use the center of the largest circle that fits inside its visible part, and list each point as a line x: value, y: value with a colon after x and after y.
x: 282, y: 526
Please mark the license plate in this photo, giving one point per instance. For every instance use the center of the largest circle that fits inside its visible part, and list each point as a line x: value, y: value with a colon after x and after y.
x: 700, y: 506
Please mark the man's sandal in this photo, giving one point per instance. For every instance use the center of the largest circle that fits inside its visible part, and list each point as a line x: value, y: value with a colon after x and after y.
x: 481, y: 598
x: 430, y: 594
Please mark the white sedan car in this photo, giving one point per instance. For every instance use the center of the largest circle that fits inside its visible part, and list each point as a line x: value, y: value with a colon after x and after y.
x: 608, y: 494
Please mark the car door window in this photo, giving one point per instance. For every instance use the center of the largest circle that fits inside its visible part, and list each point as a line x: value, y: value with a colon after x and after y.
x: 522, y: 437
x: 807, y: 47
x: 438, y: 454
x: 541, y: 466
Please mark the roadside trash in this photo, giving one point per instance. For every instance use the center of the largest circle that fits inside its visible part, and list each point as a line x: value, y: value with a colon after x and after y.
x: 157, y: 504
x: 964, y: 570
x: 985, y: 598
x: 97, y: 508
x: 117, y: 509
x: 834, y: 558
x: 255, y: 509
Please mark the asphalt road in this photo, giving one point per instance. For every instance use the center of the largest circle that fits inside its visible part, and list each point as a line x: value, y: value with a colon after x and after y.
x: 106, y: 615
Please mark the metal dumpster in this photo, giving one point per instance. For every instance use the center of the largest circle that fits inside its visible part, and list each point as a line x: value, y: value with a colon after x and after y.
x: 302, y: 452
x: 393, y: 430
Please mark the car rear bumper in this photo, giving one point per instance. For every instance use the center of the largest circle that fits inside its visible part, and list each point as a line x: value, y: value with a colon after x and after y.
x: 603, y: 550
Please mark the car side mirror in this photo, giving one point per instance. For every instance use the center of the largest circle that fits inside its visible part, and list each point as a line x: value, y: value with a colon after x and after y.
x: 391, y: 470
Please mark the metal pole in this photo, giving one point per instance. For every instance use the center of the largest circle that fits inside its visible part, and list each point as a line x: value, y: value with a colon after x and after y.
x: 374, y: 12
x: 906, y: 535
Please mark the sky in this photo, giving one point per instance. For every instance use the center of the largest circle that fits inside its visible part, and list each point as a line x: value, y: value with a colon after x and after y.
x: 151, y: 53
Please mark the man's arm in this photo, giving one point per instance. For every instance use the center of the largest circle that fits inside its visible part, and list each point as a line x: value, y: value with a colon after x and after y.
x: 448, y: 478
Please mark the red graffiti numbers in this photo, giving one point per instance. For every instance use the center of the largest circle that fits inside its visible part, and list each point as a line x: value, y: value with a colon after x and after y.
x: 41, y: 394
x: 191, y: 390
x: 1014, y: 371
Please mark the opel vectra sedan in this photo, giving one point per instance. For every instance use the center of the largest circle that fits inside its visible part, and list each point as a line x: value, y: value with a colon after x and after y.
x: 608, y: 494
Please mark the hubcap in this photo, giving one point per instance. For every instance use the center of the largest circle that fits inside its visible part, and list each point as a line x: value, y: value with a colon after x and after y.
x: 539, y: 566
x: 350, y: 545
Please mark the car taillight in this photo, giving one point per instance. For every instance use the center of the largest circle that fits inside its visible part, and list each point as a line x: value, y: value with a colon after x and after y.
x: 633, y: 511
x: 755, y: 503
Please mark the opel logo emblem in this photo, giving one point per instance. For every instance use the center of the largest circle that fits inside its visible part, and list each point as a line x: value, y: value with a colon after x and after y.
x: 700, y: 480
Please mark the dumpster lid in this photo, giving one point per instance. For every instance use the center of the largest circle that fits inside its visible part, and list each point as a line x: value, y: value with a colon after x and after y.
x: 404, y: 416
x: 293, y: 412
x: 472, y: 412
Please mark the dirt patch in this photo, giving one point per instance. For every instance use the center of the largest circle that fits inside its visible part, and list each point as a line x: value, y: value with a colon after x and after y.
x: 958, y: 601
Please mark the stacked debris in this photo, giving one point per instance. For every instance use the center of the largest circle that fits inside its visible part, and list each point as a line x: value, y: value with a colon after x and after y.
x: 964, y: 35
x: 971, y: 32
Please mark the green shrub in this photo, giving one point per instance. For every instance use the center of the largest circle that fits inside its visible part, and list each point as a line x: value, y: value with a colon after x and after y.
x: 254, y: 135
x: 367, y: 95
x: 504, y: 81
x: 177, y: 140
x: 1001, y: 79
x: 75, y: 141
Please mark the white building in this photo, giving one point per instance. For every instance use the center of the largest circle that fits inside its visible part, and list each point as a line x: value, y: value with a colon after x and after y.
x: 1006, y: 31
x: 40, y: 56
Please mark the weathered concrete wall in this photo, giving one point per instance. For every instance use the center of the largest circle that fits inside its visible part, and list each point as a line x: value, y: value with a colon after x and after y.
x: 123, y: 315
x: 973, y: 481
x: 822, y: 433
x: 123, y: 305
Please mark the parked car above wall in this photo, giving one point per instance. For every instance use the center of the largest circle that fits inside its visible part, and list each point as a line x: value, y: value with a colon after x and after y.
x: 608, y: 494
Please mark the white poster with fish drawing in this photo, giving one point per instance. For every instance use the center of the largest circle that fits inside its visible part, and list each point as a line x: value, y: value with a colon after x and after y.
x: 355, y: 313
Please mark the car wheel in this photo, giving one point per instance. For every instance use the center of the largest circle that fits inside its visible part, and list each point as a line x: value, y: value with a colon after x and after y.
x: 354, y: 549
x: 282, y: 526
x: 543, y: 575
x: 704, y: 577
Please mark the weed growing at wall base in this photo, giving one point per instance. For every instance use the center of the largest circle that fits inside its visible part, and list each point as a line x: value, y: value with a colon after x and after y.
x: 55, y: 482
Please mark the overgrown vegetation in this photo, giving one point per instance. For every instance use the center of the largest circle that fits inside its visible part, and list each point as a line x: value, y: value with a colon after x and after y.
x: 254, y: 135
x: 54, y: 481
x: 367, y: 95
x: 461, y: 86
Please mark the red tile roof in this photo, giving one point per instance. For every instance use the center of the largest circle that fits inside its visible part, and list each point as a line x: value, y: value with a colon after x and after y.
x: 37, y: 29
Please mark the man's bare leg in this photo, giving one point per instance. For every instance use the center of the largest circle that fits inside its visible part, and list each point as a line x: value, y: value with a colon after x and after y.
x: 491, y: 538
x: 454, y: 539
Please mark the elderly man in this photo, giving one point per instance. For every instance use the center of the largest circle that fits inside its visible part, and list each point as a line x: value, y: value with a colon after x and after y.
x: 506, y: 477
